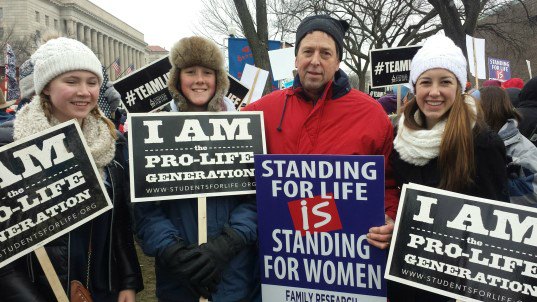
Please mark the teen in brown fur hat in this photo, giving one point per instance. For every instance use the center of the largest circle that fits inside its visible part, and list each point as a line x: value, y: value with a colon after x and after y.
x: 197, y: 73
x: 224, y: 268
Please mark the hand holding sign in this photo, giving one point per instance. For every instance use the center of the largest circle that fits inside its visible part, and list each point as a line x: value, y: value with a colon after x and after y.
x: 464, y: 247
x: 381, y: 236
x: 49, y: 186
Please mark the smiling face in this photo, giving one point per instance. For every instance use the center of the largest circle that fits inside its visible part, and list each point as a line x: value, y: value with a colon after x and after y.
x: 316, y: 62
x: 198, y: 85
x: 436, y: 90
x: 73, y: 94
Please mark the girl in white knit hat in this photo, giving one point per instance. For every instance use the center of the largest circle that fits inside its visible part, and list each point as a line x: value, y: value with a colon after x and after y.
x: 67, y: 77
x: 442, y: 140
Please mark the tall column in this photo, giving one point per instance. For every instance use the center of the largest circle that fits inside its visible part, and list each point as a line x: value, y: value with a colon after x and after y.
x: 119, y: 56
x: 106, y: 51
x: 116, y: 55
x: 128, y: 55
x: 71, y: 29
x: 124, y: 63
x: 87, y: 36
x: 131, y: 61
x: 137, y: 58
x: 80, y: 32
x: 142, y: 59
x: 100, y: 47
x: 93, y: 42
x: 111, y: 55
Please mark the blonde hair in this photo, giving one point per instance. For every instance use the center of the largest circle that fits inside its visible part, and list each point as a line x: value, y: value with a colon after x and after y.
x: 456, y: 159
x: 46, y: 104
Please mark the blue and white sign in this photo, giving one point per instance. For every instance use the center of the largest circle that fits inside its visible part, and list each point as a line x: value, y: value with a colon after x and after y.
x: 499, y: 69
x: 314, y: 213
x: 240, y: 54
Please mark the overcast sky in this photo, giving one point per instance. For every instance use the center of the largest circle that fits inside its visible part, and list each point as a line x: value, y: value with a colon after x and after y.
x: 163, y: 22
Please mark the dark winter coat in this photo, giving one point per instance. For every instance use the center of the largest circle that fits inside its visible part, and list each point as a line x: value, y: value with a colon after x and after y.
x: 491, y: 177
x: 114, y: 262
x: 5, y: 116
x: 527, y: 106
x: 490, y: 182
x: 159, y: 224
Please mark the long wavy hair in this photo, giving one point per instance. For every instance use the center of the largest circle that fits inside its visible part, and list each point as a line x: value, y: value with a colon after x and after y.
x: 46, y: 104
x: 497, y: 107
x: 456, y: 159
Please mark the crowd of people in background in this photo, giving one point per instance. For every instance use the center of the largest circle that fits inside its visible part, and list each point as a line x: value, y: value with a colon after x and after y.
x: 445, y: 134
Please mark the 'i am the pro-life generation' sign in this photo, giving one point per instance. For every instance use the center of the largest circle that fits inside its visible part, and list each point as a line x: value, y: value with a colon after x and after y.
x: 391, y: 66
x: 193, y: 154
x: 49, y: 185
x: 464, y: 247
x: 314, y: 212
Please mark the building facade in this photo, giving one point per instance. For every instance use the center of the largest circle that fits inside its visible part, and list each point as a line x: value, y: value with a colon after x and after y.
x: 109, y: 37
x: 154, y: 53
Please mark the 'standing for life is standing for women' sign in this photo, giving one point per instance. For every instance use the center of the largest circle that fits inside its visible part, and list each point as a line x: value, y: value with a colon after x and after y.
x: 314, y: 213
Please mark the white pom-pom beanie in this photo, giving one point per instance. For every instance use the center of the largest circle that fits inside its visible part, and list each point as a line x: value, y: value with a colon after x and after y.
x: 438, y: 51
x: 62, y: 55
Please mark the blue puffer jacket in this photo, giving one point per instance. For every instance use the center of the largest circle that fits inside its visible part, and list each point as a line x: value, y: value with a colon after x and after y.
x: 159, y: 223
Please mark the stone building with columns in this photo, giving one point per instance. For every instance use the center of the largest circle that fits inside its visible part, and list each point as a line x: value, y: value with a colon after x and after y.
x: 109, y: 37
x: 155, y: 52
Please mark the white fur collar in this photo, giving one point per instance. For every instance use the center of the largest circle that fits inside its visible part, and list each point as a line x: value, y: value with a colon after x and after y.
x: 31, y: 119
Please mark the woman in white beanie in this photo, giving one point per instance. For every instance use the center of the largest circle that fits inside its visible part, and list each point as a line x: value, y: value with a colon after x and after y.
x: 67, y: 77
x: 224, y: 268
x: 442, y: 140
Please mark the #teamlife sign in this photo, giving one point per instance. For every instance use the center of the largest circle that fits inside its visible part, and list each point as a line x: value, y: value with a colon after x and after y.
x: 192, y: 154
x: 314, y: 212
x: 49, y: 185
x: 376, y: 93
x: 146, y: 89
x: 464, y: 247
x: 391, y: 66
x: 236, y: 92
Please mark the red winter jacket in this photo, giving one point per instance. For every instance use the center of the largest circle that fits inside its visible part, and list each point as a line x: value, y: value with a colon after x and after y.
x: 343, y: 121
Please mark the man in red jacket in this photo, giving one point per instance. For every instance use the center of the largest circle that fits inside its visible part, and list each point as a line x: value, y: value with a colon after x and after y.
x: 322, y: 114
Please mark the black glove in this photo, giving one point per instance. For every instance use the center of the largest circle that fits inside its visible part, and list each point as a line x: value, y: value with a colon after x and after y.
x: 199, y: 291
x: 514, y: 170
x: 174, y: 259
x: 208, y: 260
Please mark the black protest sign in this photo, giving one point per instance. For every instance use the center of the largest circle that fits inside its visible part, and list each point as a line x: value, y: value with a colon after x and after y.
x: 237, y: 92
x: 191, y: 154
x: 464, y: 247
x: 376, y: 93
x: 49, y: 185
x: 391, y: 66
x: 146, y: 89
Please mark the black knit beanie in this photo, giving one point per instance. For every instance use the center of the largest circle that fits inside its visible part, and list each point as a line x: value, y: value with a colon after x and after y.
x: 324, y: 23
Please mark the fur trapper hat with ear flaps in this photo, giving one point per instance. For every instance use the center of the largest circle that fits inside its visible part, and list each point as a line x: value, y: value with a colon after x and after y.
x: 197, y: 51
